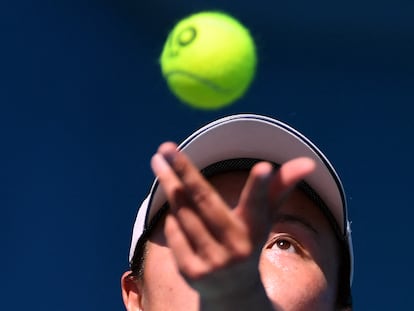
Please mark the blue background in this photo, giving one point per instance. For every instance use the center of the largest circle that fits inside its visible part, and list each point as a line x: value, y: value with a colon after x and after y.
x: 84, y: 106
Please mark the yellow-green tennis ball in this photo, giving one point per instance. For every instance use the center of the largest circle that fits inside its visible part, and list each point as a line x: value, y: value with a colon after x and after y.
x: 209, y: 60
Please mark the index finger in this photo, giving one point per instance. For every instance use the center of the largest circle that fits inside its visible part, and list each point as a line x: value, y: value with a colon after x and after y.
x: 206, y: 201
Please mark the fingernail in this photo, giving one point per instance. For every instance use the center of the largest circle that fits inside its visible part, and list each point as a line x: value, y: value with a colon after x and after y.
x: 265, y: 171
x: 170, y: 157
x: 158, y: 163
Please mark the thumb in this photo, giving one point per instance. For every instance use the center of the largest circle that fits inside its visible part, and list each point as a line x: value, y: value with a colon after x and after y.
x: 286, y: 178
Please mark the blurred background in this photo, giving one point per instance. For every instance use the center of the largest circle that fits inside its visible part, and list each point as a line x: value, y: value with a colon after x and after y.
x: 83, y: 106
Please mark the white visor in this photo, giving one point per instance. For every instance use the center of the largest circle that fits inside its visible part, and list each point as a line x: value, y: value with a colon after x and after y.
x: 262, y: 138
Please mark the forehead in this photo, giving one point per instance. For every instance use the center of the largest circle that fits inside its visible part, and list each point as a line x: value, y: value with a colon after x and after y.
x: 230, y: 184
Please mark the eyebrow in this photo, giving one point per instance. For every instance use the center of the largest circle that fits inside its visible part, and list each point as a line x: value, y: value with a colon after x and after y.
x: 296, y: 219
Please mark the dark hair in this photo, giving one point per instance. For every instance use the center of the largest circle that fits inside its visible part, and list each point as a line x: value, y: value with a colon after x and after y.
x: 344, y: 293
x: 138, y: 259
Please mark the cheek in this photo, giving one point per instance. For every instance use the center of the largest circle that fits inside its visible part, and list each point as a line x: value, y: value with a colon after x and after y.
x: 295, y: 284
x: 164, y: 288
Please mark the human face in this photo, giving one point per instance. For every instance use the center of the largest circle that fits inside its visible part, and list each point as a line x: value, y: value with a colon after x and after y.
x: 298, y: 264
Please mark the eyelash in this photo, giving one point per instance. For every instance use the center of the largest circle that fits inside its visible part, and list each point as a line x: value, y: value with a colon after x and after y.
x: 285, y: 240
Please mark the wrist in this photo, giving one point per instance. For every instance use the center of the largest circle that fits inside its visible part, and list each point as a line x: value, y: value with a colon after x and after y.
x: 238, y: 287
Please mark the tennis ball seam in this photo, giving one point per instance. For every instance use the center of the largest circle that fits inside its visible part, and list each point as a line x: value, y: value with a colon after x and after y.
x: 206, y: 82
x: 212, y: 66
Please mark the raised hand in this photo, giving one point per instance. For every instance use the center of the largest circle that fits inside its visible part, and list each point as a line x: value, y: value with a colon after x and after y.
x: 217, y: 247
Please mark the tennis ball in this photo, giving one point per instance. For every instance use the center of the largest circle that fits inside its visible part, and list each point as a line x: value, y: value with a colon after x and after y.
x: 209, y: 60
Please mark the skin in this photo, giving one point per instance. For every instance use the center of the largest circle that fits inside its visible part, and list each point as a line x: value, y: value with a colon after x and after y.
x: 254, y: 219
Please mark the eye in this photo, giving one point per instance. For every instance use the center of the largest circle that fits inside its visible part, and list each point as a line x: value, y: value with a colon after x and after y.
x: 285, y: 244
x: 186, y: 36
